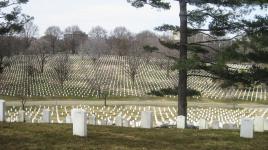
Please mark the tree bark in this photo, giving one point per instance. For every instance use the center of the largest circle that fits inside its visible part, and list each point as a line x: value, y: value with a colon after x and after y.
x: 182, y: 98
x: 1, y: 64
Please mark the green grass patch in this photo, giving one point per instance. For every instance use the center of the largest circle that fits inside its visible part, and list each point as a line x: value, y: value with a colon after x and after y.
x: 135, y: 98
x: 111, y: 98
x: 59, y: 136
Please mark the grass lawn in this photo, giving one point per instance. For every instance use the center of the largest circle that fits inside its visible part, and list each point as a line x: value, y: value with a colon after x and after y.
x: 59, y: 136
x: 111, y: 98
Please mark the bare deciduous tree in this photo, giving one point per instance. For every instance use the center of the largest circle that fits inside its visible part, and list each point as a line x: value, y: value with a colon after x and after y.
x: 28, y: 34
x: 31, y: 72
x: 149, y: 41
x: 97, y: 82
x: 98, y: 32
x: 98, y: 45
x: 134, y: 60
x: 23, y: 103
x: 40, y: 48
x: 53, y: 35
x: 62, y: 69
x: 29, y: 77
x: 120, y: 41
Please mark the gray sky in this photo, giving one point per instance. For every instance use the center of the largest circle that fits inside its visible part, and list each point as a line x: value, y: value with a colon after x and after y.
x: 106, y: 13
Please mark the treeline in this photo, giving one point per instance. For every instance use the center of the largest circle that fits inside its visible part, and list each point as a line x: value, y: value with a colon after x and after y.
x: 97, y: 41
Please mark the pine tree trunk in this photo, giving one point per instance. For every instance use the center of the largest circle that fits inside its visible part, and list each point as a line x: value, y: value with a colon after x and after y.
x: 1, y: 64
x: 182, y: 98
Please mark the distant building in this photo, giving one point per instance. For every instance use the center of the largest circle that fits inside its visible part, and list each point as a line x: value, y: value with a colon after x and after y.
x: 74, y: 40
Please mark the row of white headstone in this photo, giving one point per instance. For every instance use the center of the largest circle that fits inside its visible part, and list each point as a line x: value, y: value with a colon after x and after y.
x: 79, y: 119
x: 247, y: 129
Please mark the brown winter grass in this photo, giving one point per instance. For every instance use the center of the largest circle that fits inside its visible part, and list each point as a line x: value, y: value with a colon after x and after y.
x: 59, y: 136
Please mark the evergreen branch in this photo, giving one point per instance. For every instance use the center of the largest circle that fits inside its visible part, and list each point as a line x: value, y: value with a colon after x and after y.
x: 213, y: 37
x: 204, y: 76
x: 4, y: 4
x: 153, y: 3
x: 199, y: 44
x: 216, y: 40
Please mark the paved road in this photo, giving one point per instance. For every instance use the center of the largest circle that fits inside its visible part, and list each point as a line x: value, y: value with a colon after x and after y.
x: 134, y: 102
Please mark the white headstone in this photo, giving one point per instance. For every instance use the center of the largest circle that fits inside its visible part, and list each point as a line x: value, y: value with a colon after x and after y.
x: 2, y: 110
x: 229, y: 126
x: 215, y: 124
x: 21, y: 116
x: 181, y: 122
x: 133, y: 124
x: 203, y: 124
x: 259, y: 124
x: 109, y: 122
x: 28, y: 119
x: 146, y: 119
x: 126, y: 123
x: 8, y: 119
x: 265, y: 125
x: 246, y: 130
x: 92, y: 120
x: 46, y: 116
x: 79, y: 119
x: 103, y: 122
x: 119, y: 121
x: 68, y: 119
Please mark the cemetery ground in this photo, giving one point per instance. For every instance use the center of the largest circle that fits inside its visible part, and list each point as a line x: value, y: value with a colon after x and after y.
x: 47, y: 102
x: 111, y: 74
x: 59, y: 136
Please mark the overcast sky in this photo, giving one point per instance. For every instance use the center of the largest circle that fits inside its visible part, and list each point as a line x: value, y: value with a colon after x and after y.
x: 106, y: 13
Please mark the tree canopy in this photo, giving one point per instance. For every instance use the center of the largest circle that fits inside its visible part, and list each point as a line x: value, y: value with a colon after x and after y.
x: 233, y: 21
x: 11, y: 18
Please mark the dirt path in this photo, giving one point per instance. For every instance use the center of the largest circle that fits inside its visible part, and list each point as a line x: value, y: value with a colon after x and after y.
x: 142, y: 103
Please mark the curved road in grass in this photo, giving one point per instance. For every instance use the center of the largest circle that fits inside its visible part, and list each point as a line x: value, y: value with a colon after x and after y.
x: 136, y: 102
